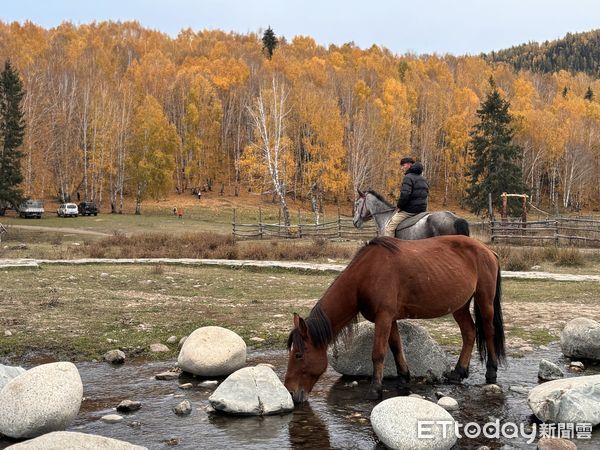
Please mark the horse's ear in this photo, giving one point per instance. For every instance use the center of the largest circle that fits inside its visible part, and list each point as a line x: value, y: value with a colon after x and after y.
x: 300, y: 324
x: 360, y: 193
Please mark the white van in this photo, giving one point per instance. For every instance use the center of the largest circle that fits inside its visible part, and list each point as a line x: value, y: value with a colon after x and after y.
x: 67, y: 210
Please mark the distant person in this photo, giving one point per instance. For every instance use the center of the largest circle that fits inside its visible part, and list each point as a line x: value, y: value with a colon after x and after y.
x: 180, y: 213
x: 175, y: 210
x: 413, y: 195
x: 199, y: 195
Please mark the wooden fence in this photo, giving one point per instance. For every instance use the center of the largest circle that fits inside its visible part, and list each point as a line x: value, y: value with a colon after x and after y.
x: 341, y: 228
x: 559, y: 231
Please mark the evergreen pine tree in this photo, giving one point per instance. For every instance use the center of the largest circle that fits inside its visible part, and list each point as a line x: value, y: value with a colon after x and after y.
x: 12, y: 131
x: 495, y: 158
x: 269, y: 42
x: 589, y: 94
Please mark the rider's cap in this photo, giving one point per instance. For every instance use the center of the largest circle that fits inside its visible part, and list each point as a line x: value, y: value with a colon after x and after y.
x: 407, y: 160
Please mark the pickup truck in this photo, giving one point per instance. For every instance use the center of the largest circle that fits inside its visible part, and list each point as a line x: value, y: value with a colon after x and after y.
x: 31, y: 208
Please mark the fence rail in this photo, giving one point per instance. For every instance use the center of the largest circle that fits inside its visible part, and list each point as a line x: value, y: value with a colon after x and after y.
x: 342, y: 228
x: 561, y: 230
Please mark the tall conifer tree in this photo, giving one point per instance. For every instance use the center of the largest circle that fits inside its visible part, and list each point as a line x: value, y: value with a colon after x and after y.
x: 495, y: 168
x: 269, y: 42
x: 12, y: 131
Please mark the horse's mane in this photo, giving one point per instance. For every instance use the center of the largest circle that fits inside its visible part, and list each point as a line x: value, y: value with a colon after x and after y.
x: 319, y: 330
x: 380, y: 197
x: 319, y: 325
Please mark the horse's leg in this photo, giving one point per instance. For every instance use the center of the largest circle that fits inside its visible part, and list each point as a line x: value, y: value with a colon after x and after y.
x: 380, y: 340
x: 485, y: 303
x: 467, y: 331
x: 399, y: 358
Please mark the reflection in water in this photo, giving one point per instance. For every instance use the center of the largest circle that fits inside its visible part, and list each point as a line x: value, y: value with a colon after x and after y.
x: 308, y: 428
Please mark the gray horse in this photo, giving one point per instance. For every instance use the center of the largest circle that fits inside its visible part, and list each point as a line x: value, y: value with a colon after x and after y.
x: 370, y: 204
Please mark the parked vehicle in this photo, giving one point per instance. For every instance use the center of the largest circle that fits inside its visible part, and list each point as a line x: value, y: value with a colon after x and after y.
x: 88, y: 208
x: 67, y: 210
x: 31, y: 208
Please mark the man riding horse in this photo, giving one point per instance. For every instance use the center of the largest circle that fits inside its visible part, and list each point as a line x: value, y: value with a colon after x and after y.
x: 413, y: 195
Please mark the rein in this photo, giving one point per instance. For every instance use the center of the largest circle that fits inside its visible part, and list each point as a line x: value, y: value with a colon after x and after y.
x: 370, y: 214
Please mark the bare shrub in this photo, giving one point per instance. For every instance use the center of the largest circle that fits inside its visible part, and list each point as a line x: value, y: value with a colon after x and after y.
x: 157, y: 269
x: 571, y: 257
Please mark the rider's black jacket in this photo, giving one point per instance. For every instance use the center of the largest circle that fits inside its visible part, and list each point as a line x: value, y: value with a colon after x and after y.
x: 414, y: 191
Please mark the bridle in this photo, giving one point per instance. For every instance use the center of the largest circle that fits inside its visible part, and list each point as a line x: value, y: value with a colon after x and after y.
x: 370, y: 214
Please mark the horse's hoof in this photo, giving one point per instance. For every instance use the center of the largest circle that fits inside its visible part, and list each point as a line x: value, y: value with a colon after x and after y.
x: 404, y: 377
x: 453, y: 377
x: 490, y: 380
x: 374, y: 393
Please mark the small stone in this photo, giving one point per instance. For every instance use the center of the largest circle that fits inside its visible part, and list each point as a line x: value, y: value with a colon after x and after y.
x: 114, y: 357
x: 519, y: 389
x: 186, y: 386
x: 167, y: 376
x: 158, y: 348
x: 439, y: 394
x: 182, y: 340
x: 172, y: 340
x: 129, y: 406
x: 111, y: 341
x: 527, y: 348
x: 257, y: 339
x: 7, y: 333
x: 135, y: 424
x: 206, y: 384
x: 171, y: 442
x: 183, y: 409
x: 352, y: 384
x: 546, y: 443
x: 111, y: 418
x: 448, y: 403
x: 577, y: 364
x: 549, y: 371
x: 416, y: 396
x: 492, y: 389
x: 103, y: 275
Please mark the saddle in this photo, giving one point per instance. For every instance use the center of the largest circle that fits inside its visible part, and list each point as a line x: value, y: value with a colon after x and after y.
x: 411, y: 221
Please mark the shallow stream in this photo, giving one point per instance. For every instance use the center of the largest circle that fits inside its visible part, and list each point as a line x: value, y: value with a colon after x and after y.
x: 337, y: 415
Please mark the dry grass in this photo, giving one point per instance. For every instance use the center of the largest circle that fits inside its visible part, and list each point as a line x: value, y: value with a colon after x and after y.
x: 213, y: 246
x: 522, y: 259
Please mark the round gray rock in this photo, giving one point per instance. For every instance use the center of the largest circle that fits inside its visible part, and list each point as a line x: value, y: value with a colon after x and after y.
x: 253, y: 391
x: 448, y: 403
x: 581, y: 339
x: 425, y: 358
x: 114, y: 357
x: 61, y: 440
x: 212, y: 351
x: 570, y: 400
x: 396, y: 424
x: 43, y: 399
x: 549, y: 371
x: 7, y: 373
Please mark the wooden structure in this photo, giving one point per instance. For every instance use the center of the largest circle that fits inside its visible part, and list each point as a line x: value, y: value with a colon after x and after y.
x: 341, y: 228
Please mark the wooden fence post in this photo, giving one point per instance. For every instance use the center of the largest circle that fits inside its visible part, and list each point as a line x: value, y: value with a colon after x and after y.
x: 339, y: 223
x: 260, y: 227
x: 504, y: 214
x: 556, y: 238
x: 299, y: 224
x: 234, y: 221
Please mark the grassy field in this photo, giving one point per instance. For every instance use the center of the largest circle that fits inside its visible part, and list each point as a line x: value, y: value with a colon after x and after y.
x: 73, y: 312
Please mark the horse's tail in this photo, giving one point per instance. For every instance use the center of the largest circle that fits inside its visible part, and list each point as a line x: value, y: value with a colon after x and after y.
x: 462, y: 227
x: 498, y: 326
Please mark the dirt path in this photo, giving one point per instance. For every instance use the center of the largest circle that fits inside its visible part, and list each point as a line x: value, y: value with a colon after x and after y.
x: 60, y: 230
x: 293, y: 265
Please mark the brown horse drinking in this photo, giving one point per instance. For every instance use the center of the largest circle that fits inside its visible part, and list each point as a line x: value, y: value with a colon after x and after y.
x: 390, y: 279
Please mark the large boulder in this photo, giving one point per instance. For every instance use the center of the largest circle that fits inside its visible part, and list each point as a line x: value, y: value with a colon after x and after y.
x: 424, y: 356
x: 43, y: 399
x: 581, y: 339
x: 396, y: 424
x: 61, y: 440
x: 253, y: 391
x: 212, y: 352
x: 7, y: 373
x: 570, y: 400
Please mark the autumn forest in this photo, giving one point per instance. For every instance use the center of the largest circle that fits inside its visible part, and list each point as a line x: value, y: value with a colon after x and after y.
x: 113, y: 110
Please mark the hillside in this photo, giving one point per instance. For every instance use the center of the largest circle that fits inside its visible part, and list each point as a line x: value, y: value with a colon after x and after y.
x: 576, y: 52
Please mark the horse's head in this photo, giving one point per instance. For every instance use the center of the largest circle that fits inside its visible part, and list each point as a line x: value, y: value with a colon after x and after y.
x: 361, y: 210
x: 306, y: 361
